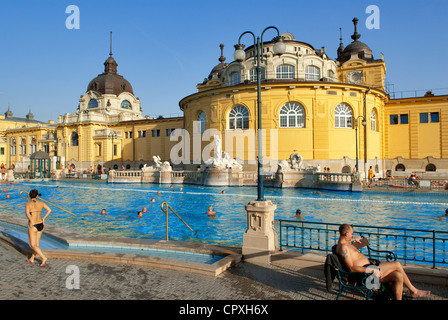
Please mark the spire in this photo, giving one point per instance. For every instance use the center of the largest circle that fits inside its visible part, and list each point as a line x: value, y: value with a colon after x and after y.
x: 341, y: 45
x: 110, y: 54
x: 8, y: 114
x: 110, y: 66
x: 30, y: 116
x: 355, y: 35
x: 222, y: 58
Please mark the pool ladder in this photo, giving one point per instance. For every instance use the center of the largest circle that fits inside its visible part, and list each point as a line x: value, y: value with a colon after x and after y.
x: 165, y: 206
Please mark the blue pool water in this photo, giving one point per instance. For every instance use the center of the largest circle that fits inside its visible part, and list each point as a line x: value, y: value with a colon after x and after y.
x: 123, y: 201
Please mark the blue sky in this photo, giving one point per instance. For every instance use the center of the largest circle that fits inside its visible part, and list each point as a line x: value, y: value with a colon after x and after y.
x: 165, y: 48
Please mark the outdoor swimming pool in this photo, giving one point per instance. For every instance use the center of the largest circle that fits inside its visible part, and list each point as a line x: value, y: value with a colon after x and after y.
x: 123, y: 201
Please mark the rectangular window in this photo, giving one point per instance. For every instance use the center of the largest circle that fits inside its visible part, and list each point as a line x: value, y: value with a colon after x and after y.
x: 115, y: 149
x: 2, y: 151
x: 156, y: 133
x: 403, y: 119
x: 126, y: 135
x: 144, y: 134
x: 394, y: 119
x: 140, y: 134
x: 424, y: 117
x: 434, y: 117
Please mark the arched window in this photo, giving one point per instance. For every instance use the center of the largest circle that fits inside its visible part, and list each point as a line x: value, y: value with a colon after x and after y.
x: 400, y: 167
x: 239, y: 118
x: 330, y: 75
x: 235, y: 78
x: 312, y: 73
x: 284, y: 71
x: 373, y: 120
x: 201, y: 121
x: 292, y: 115
x: 93, y: 103
x: 346, y: 169
x: 125, y: 104
x: 343, y: 117
x: 74, y: 139
x: 430, y: 167
x: 253, y: 74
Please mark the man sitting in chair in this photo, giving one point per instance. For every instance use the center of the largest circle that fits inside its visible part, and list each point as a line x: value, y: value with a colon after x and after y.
x: 389, y: 272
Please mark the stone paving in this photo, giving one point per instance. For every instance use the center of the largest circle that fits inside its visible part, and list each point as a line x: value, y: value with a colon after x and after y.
x: 113, y: 281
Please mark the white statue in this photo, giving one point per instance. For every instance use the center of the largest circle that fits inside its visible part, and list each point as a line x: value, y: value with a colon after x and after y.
x: 296, y: 161
x: 165, y: 166
x: 221, y: 160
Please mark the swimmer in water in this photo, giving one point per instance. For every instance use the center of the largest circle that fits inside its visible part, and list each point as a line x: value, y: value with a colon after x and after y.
x: 140, y: 214
x: 103, y: 211
x: 298, y: 214
x: 444, y: 216
x: 153, y: 200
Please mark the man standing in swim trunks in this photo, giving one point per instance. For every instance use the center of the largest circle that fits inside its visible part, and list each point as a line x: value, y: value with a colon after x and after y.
x: 392, y: 271
x: 33, y: 210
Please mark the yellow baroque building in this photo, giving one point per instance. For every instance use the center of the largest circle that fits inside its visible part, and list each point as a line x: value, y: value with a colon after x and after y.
x: 333, y: 113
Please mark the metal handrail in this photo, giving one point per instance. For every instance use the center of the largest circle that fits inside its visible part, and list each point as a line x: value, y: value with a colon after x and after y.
x: 46, y: 202
x: 167, y: 206
x: 423, y: 246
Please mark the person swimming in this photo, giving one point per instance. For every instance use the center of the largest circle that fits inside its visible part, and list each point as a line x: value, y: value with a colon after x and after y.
x: 140, y: 213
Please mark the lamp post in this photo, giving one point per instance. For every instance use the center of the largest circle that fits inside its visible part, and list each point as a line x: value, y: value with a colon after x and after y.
x: 356, y: 135
x: 112, y: 135
x: 240, y: 55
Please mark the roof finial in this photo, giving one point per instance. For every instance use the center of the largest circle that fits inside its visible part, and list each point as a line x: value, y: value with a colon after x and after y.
x: 355, y: 35
x: 110, y: 54
x: 340, y: 35
x: 222, y: 58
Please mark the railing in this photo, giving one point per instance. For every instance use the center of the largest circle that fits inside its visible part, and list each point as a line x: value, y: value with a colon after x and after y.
x: 165, y: 206
x: 420, y: 246
x: 405, y: 183
x: 337, y: 177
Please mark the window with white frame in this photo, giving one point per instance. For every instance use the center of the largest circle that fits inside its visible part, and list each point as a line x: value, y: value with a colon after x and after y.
x: 373, y: 120
x: 23, y: 146
x: 284, y: 71
x: 12, y: 147
x: 312, y: 73
x: 239, y: 118
x: 235, y: 78
x: 343, y: 116
x: 292, y: 115
x: 33, y: 145
x: 253, y: 74
x: 201, y: 122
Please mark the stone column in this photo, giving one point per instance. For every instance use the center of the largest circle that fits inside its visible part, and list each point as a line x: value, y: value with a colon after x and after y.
x: 260, y: 238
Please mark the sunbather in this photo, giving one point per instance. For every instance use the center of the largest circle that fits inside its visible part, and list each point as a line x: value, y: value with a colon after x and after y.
x: 392, y: 271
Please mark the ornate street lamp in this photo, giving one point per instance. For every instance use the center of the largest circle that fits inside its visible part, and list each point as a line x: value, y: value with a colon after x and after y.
x: 240, y: 55
x: 112, y: 135
x: 356, y: 135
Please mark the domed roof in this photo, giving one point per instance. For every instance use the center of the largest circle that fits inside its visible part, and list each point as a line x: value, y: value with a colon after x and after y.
x: 219, y: 67
x: 356, y: 49
x: 110, y: 82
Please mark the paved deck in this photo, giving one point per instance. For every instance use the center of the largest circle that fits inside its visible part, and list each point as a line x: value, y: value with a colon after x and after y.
x: 284, y: 279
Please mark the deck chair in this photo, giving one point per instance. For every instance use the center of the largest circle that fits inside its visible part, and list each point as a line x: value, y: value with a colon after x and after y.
x: 358, y: 281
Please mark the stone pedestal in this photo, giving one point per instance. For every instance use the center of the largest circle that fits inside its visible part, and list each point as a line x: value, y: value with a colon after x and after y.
x: 260, y: 238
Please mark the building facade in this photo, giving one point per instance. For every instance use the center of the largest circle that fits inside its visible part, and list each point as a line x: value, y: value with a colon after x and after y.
x: 333, y: 113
